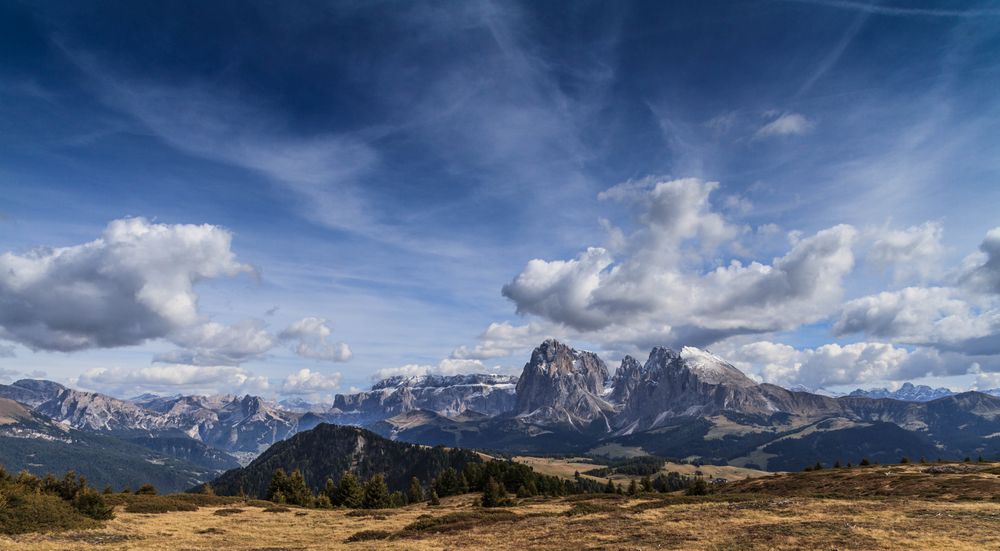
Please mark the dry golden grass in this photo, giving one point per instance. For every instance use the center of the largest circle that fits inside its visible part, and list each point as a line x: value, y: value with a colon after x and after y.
x: 578, y: 522
x: 565, y: 468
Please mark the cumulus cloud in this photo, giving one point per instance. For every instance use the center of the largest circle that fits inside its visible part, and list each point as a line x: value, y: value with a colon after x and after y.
x: 982, y: 270
x: 172, y: 379
x: 217, y: 344
x: 656, y: 291
x: 310, y: 338
x: 503, y: 339
x: 787, y: 124
x: 134, y: 283
x: 834, y: 364
x: 448, y: 366
x: 912, y: 253
x: 307, y: 382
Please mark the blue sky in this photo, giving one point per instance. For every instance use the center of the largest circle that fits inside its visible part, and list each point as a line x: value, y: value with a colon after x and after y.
x: 293, y: 198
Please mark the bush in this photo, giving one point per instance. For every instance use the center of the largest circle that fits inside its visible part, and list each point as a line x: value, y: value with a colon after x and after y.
x: 146, y: 490
x: 276, y: 509
x: 699, y: 488
x: 154, y: 505
x: 92, y: 504
x: 369, y: 535
x: 32, y: 512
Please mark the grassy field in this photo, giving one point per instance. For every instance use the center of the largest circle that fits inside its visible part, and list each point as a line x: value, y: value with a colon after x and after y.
x: 891, y: 507
x: 566, y: 467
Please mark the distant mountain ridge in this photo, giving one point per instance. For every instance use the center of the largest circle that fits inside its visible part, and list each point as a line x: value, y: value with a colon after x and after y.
x: 686, y: 404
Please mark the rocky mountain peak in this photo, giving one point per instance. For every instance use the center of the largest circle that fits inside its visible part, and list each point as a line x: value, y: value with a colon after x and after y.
x: 561, y: 384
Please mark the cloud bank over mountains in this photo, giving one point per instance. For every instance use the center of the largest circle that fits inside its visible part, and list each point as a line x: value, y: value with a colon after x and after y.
x: 137, y: 283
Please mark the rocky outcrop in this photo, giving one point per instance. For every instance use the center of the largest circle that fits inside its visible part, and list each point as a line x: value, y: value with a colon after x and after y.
x: 560, y: 385
x: 445, y: 395
x: 31, y: 392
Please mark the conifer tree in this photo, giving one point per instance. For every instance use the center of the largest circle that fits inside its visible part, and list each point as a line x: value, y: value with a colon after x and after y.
x: 350, y: 493
x: 434, y: 500
x: 609, y: 488
x: 279, y: 480
x: 376, y: 494
x: 146, y: 490
x: 416, y: 493
x: 647, y: 484
x: 297, y: 491
x: 698, y: 488
x: 633, y: 488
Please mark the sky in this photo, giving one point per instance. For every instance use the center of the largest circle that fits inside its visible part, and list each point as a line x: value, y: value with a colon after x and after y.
x: 294, y: 199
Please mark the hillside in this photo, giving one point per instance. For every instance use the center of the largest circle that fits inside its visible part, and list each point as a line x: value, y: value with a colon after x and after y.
x: 327, y: 451
x: 29, y: 441
x: 875, y: 508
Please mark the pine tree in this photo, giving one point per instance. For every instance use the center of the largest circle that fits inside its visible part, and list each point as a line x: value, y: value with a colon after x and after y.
x: 434, y: 500
x: 904, y: 460
x: 397, y: 499
x: 322, y: 501
x: 146, y: 490
x: 494, y: 494
x: 297, y: 491
x: 416, y: 493
x: 633, y: 488
x: 330, y: 490
x: 698, y: 488
x: 818, y: 466
x: 279, y: 480
x: 864, y: 462
x: 207, y: 489
x: 350, y: 493
x: 609, y: 488
x: 376, y: 493
x: 647, y: 484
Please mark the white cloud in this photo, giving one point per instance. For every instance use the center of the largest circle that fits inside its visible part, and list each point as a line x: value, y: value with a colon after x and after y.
x: 310, y: 338
x: 504, y: 339
x: 310, y: 383
x: 213, y: 343
x: 982, y: 270
x: 834, y: 364
x: 172, y: 379
x: 134, y: 283
x: 787, y: 124
x: 7, y: 351
x: 8, y: 375
x: 911, y: 254
x: 658, y: 289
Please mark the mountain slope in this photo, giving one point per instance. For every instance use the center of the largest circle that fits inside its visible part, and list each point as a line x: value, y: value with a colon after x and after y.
x: 328, y: 450
x: 35, y: 443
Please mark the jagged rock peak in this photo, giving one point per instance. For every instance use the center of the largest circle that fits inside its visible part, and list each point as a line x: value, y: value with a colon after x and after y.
x: 561, y: 383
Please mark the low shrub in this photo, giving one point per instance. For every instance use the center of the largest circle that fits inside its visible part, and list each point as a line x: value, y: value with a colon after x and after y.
x: 277, y: 509
x: 227, y: 511
x: 41, y: 513
x: 369, y: 535
x: 154, y: 505
x: 462, y: 520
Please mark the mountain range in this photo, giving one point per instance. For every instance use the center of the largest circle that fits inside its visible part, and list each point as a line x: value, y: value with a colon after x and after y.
x: 687, y: 404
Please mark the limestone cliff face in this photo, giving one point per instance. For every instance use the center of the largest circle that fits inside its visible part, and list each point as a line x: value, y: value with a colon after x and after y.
x: 446, y: 395
x: 692, y: 382
x: 563, y: 385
